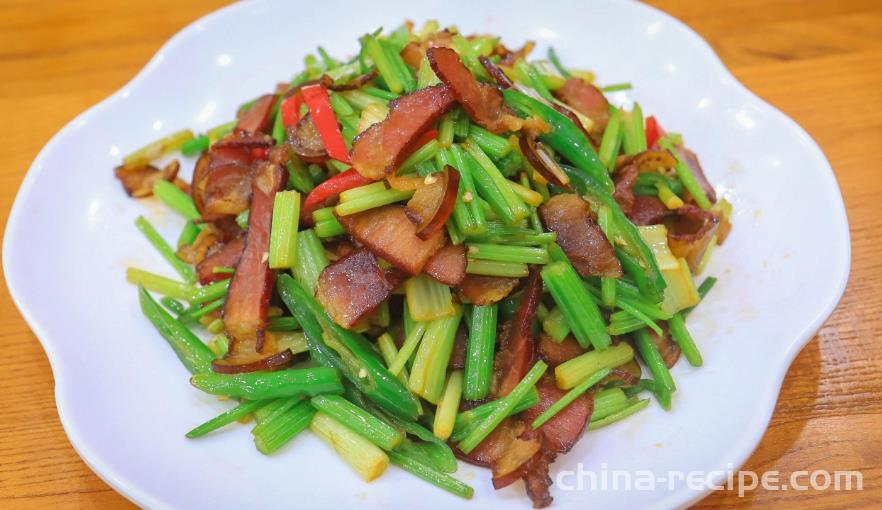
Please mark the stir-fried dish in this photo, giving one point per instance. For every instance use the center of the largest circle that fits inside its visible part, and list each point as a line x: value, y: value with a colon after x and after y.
x: 437, y: 249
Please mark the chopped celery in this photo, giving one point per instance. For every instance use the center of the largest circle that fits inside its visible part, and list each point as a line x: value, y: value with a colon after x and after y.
x: 572, y: 372
x: 364, y: 457
x: 182, y: 268
x: 283, y: 233
x: 680, y: 292
x: 371, y: 114
x: 427, y: 299
x: 496, y: 268
x: 430, y: 364
x: 501, y: 253
x: 656, y: 238
x: 618, y: 415
x: 555, y: 325
x: 155, y: 150
x: 445, y: 414
x: 311, y: 260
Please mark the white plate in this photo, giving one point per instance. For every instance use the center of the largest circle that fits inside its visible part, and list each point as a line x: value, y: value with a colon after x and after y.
x: 125, y: 401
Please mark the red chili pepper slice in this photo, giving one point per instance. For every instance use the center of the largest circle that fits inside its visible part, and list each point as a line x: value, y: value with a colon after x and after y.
x: 331, y: 187
x: 316, y: 98
x: 259, y: 153
x: 654, y: 132
x: 291, y: 109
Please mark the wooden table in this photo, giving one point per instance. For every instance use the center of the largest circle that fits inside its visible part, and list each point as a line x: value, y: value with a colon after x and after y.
x: 820, y: 61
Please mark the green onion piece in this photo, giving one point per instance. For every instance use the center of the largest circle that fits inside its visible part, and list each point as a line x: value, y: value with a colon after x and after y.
x: 427, y: 299
x: 160, y: 284
x: 619, y: 415
x: 552, y: 56
x: 386, y: 197
x: 500, y: 413
x: 411, y: 341
x: 177, y: 200
x: 527, y: 75
x: 555, y: 325
x: 202, y: 311
x: 570, y: 396
x: 612, y: 140
x: 194, y: 354
x: 494, y: 187
x: 607, y: 402
x: 653, y: 359
x: 211, y: 292
x: 172, y: 304
x: 433, y: 476
x: 263, y: 385
x: 479, y: 352
x: 570, y: 373
x: 684, y: 339
x: 615, y: 87
x: 467, y: 421
x: 684, y: 173
x: 182, y: 268
x: 358, y: 420
x: 495, y: 268
x: 237, y: 413
x: 272, y: 434
x: 195, y: 146
x: 445, y: 414
x: 577, y: 306
x: 283, y: 233
x: 188, y: 234
x: 364, y: 457
x: 500, y: 253
x: 430, y: 364
x: 157, y: 149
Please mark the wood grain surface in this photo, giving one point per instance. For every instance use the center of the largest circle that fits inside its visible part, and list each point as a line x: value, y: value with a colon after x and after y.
x: 820, y: 61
